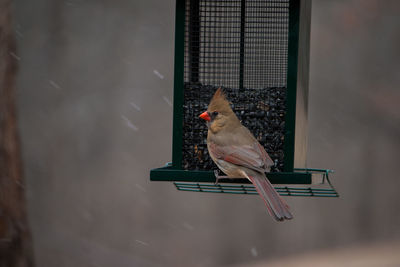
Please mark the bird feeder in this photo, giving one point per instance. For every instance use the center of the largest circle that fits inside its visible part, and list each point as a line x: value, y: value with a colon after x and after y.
x: 258, y: 52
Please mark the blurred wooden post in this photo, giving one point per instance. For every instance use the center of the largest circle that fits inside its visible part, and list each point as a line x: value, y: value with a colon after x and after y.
x: 15, y: 238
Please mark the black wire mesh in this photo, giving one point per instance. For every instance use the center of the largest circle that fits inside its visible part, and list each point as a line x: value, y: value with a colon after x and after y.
x: 237, y: 42
x: 240, y: 45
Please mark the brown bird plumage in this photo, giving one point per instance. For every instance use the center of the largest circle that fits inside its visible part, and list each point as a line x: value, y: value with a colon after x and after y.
x: 238, y: 153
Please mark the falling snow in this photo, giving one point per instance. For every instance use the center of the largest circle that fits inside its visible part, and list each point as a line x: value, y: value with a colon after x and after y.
x: 254, y: 252
x: 127, y: 61
x: 188, y: 226
x: 141, y: 187
x: 70, y: 3
x: 129, y: 123
x: 54, y: 84
x: 19, y: 34
x: 141, y: 242
x: 135, y: 106
x: 159, y: 75
x: 15, y: 56
x: 167, y: 100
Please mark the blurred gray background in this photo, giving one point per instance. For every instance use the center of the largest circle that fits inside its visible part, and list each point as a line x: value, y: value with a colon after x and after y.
x: 95, y: 88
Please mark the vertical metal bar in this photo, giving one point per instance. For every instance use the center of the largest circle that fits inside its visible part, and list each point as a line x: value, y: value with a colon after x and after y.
x: 177, y: 138
x: 242, y: 40
x: 300, y: 139
x: 290, y: 118
x: 194, y: 41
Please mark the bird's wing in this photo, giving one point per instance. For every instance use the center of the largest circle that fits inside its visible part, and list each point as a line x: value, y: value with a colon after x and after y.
x: 268, y: 163
x: 252, y: 157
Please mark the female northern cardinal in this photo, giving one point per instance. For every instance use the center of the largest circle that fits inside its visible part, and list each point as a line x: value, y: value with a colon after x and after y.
x: 239, y: 155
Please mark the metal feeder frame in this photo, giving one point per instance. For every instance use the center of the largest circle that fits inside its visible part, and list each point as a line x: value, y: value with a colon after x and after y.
x: 295, y: 144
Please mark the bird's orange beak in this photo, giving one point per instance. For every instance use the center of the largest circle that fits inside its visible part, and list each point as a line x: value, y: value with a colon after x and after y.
x: 205, y: 116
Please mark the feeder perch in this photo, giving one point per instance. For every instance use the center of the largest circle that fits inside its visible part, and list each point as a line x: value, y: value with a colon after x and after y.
x: 258, y: 52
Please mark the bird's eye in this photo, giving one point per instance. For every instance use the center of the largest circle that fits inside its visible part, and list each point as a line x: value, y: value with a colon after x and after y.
x: 215, y: 113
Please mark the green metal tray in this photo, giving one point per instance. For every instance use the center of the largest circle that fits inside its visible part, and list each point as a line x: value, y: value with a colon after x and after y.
x: 317, y: 181
x: 249, y: 189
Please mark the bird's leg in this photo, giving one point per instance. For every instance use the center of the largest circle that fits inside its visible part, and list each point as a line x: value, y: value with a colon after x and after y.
x: 217, y: 177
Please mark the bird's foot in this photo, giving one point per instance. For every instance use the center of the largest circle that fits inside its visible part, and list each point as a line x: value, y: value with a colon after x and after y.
x: 217, y: 177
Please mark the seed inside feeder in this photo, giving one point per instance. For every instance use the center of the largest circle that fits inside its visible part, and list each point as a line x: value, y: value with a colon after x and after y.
x: 262, y: 111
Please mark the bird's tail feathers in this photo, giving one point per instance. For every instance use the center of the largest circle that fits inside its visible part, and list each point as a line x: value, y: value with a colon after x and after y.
x: 276, y: 206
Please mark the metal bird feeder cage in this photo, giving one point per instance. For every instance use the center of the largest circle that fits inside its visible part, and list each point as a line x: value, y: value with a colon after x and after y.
x: 258, y: 52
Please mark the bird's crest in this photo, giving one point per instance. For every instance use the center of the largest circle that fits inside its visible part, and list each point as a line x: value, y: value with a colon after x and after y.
x: 219, y: 102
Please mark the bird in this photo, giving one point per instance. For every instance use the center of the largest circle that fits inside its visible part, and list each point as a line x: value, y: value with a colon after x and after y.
x: 238, y: 154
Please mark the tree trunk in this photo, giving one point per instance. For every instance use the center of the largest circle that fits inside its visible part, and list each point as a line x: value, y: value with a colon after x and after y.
x: 15, y: 238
